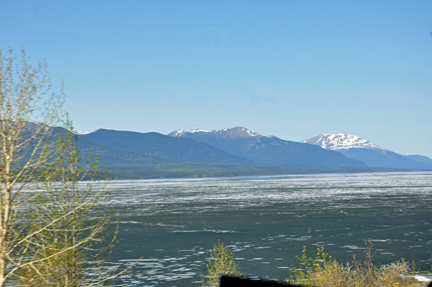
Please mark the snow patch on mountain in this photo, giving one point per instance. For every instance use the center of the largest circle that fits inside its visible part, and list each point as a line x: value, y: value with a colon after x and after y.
x: 179, y: 133
x: 82, y: 133
x: 341, y: 141
x: 233, y: 132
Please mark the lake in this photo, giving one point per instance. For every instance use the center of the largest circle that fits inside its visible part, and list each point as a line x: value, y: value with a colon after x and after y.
x: 172, y: 224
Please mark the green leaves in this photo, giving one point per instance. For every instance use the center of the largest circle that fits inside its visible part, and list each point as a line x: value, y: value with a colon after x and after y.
x: 326, y: 272
x: 221, y: 263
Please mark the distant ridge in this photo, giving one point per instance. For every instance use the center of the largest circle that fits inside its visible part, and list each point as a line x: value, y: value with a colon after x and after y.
x: 162, y: 147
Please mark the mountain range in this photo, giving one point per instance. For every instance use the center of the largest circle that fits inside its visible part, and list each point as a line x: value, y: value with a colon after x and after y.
x: 236, y: 151
x: 267, y: 150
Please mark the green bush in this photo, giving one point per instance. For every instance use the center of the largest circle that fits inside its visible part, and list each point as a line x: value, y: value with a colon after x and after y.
x: 221, y: 263
x: 324, y: 271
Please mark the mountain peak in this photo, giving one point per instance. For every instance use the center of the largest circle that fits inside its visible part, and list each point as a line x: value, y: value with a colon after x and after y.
x: 241, y: 132
x: 236, y: 132
x: 341, y: 141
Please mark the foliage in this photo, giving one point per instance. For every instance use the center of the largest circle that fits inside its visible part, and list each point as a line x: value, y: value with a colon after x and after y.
x: 50, y: 225
x: 221, y: 263
x: 325, y: 271
x: 27, y: 114
x: 65, y: 205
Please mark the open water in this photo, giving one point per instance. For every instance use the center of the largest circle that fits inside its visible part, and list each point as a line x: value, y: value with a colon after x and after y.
x: 172, y: 224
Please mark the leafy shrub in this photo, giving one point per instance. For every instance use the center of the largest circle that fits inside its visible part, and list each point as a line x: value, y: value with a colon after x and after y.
x: 324, y: 271
x: 221, y: 263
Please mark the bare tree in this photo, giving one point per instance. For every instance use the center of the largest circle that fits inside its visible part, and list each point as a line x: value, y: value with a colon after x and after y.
x: 45, y: 231
x: 65, y: 227
x: 27, y: 114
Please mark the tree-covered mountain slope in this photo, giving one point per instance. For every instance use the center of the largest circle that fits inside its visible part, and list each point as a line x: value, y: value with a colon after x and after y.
x: 162, y: 147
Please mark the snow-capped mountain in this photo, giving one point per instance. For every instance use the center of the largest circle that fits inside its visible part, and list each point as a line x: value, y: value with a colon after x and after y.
x: 341, y: 141
x: 371, y: 154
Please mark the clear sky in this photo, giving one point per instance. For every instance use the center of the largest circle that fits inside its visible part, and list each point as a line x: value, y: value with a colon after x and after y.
x: 293, y: 69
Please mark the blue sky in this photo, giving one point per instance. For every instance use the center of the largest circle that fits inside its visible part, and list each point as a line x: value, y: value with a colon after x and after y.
x: 294, y: 69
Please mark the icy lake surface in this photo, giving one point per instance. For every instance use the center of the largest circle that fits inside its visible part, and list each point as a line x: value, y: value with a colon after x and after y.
x: 172, y: 224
